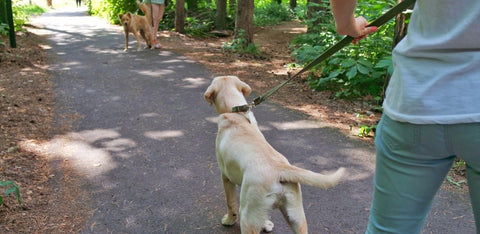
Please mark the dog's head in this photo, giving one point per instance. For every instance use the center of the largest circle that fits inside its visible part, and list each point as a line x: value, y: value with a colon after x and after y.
x: 125, y: 18
x: 227, y: 92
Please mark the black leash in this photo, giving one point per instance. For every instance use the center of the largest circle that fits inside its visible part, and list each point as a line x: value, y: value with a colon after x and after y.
x: 399, y: 8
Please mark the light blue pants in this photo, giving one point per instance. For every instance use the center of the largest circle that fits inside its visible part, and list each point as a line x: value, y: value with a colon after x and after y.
x: 412, y: 162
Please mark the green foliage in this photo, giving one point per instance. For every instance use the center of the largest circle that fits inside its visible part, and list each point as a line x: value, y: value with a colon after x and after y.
x: 109, y: 9
x: 201, y: 21
x: 21, y: 15
x: 354, y: 71
x: 3, y: 29
x: 238, y: 45
x: 10, y: 187
x: 365, y: 130
x: 271, y: 14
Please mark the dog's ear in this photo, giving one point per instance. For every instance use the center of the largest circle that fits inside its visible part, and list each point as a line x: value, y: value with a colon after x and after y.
x: 245, y: 89
x: 129, y: 15
x: 210, y: 95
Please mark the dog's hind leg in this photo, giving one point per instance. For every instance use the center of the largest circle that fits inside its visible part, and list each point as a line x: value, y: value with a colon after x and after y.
x: 254, y: 207
x: 146, y: 37
x: 137, y: 37
x: 231, y: 196
x: 292, y: 209
x: 126, y: 38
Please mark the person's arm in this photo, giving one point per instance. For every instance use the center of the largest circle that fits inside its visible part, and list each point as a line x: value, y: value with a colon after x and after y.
x: 345, y: 21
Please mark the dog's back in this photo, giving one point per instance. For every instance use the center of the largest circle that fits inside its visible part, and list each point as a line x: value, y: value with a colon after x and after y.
x: 236, y: 133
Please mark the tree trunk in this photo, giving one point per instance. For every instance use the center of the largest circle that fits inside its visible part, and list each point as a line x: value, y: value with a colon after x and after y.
x: 221, y: 15
x: 180, y: 16
x: 400, y: 27
x: 244, y: 21
x: 293, y: 4
x: 399, y: 34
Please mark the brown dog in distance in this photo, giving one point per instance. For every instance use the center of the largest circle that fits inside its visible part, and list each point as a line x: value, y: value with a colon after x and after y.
x: 138, y: 25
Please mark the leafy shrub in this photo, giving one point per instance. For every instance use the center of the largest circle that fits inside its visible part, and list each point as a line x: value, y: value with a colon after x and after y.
x: 355, y: 70
x: 271, y: 13
x: 21, y: 15
x: 109, y: 9
x: 3, y: 29
x: 237, y: 45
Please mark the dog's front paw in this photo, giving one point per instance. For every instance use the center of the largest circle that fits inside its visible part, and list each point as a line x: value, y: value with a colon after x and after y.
x: 267, y: 226
x: 125, y: 50
x: 229, y: 220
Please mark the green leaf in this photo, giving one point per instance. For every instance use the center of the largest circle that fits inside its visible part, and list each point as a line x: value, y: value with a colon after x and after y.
x: 362, y: 69
x: 384, y: 63
x: 334, y: 74
x: 347, y: 63
x: 13, y: 188
x: 352, y: 73
x: 365, y: 63
x: 6, y: 183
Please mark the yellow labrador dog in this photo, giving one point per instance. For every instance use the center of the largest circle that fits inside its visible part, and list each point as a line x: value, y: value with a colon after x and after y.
x: 245, y: 158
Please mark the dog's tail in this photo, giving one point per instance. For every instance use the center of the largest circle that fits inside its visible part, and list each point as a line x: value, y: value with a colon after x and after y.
x: 299, y: 175
x: 147, y: 11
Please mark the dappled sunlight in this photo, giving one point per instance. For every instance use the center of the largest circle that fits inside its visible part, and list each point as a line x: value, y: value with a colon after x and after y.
x: 162, y: 135
x: 100, y: 50
x: 91, y: 136
x: 79, y: 149
x: 118, y: 145
x: 296, y: 125
x: 155, y: 73
x: 194, y: 82
x: 212, y: 119
x: 150, y: 115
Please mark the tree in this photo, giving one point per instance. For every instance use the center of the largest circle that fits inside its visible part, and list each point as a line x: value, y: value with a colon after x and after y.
x: 293, y: 4
x: 221, y: 15
x: 399, y: 33
x: 244, y: 22
x: 400, y: 27
x: 180, y: 16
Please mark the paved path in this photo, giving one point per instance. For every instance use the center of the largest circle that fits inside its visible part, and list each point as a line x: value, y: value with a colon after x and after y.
x: 143, y: 141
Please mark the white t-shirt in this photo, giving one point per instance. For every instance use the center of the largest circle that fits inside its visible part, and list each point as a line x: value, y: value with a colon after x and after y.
x: 436, y: 79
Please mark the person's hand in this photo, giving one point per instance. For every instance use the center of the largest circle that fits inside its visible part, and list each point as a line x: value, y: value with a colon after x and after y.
x: 357, y: 29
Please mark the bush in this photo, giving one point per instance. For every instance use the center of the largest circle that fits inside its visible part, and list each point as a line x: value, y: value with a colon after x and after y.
x: 21, y: 15
x: 109, y: 9
x: 354, y: 71
x: 271, y: 13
